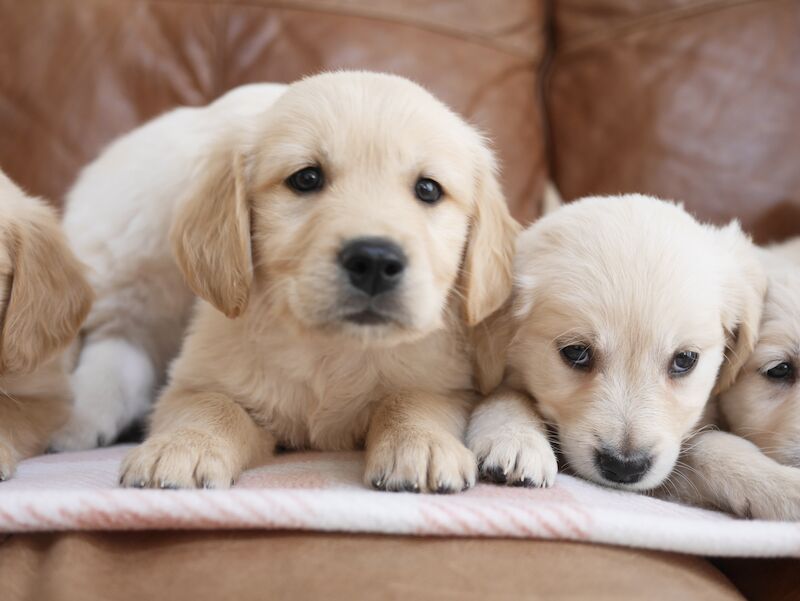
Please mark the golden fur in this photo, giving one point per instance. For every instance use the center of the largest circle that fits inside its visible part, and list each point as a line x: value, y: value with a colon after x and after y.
x: 44, y: 298
x: 271, y: 355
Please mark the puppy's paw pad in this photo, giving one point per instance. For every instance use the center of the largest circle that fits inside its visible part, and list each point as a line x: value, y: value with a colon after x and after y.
x: 421, y: 463
x: 517, y: 458
x: 184, y: 459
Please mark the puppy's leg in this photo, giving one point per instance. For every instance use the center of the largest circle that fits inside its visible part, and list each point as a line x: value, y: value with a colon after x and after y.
x: 113, y: 387
x: 198, y: 440
x: 414, y: 444
x: 727, y: 472
x: 510, y: 441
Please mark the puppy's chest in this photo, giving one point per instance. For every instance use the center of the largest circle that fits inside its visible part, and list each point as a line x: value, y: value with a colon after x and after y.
x: 324, y: 400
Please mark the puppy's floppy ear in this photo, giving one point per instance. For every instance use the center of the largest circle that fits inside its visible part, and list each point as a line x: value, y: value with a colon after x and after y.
x: 211, y: 234
x: 49, y: 296
x: 743, y: 301
x: 487, y: 271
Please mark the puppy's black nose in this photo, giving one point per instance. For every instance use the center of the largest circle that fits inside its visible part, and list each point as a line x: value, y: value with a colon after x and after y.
x: 623, y: 469
x: 374, y: 265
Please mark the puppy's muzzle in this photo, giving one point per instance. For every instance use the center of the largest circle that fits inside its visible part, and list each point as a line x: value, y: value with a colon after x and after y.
x: 622, y: 468
x: 373, y: 265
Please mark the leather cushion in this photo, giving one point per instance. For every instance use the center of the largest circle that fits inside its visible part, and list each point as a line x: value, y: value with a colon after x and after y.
x: 695, y: 101
x: 275, y: 565
x: 74, y: 74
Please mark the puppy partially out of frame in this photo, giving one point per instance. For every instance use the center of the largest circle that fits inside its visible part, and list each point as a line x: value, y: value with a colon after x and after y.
x: 628, y: 315
x: 763, y: 405
x: 44, y: 297
x: 345, y: 234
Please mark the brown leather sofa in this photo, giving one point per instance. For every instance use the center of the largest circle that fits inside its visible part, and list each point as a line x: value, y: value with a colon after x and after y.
x: 690, y: 99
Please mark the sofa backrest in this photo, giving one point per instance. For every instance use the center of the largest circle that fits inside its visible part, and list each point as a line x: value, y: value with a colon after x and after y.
x: 695, y: 101
x: 74, y: 74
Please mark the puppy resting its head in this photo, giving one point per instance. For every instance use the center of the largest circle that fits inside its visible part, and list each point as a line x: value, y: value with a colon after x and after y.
x: 630, y: 313
x: 43, y: 300
x: 764, y: 403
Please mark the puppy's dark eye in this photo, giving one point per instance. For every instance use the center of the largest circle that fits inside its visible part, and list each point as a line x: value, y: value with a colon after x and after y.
x: 427, y: 190
x: 782, y: 371
x: 578, y: 356
x: 682, y: 363
x: 308, y: 179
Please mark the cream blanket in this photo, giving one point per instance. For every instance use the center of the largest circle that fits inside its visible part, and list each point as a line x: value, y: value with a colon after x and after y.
x: 323, y: 491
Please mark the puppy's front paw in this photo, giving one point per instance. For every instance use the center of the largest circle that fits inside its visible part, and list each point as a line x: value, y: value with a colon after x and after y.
x: 85, y: 430
x: 8, y: 462
x: 181, y: 459
x: 515, y: 455
x: 420, y: 462
x: 777, y: 499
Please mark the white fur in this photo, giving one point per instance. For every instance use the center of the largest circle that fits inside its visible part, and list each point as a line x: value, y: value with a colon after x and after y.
x: 509, y: 441
x: 114, y: 382
x: 117, y: 219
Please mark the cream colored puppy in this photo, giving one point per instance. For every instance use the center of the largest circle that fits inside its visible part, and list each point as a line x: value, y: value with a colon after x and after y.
x: 43, y: 300
x: 345, y: 233
x: 764, y: 403
x: 628, y: 316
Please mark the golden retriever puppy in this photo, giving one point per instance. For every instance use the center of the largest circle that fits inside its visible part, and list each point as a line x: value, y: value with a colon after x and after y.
x: 763, y: 405
x: 345, y: 234
x: 628, y: 315
x: 43, y: 300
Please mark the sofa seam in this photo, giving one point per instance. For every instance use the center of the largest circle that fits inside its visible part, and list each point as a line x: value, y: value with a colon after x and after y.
x: 543, y: 84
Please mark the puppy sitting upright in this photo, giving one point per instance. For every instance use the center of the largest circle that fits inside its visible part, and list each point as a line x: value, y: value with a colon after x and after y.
x: 628, y: 316
x: 345, y: 232
x: 44, y: 300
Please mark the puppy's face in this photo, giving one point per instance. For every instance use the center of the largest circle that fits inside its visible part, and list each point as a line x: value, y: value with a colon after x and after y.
x: 764, y: 403
x: 44, y: 296
x: 368, y: 204
x: 625, y: 307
